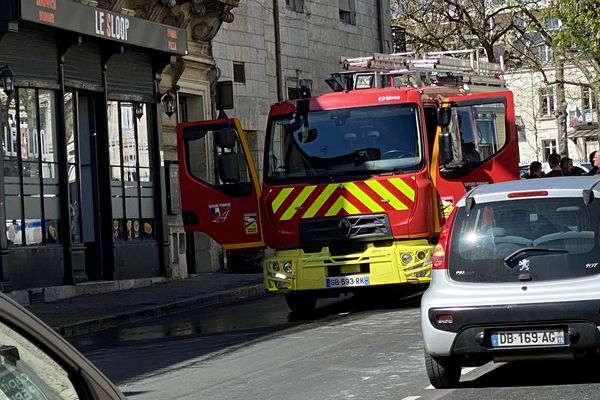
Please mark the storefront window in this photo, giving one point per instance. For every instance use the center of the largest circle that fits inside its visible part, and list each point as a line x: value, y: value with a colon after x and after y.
x: 30, y: 167
x: 132, y: 187
x: 72, y: 168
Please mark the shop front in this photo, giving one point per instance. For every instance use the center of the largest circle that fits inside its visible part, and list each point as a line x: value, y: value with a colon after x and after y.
x: 83, y: 181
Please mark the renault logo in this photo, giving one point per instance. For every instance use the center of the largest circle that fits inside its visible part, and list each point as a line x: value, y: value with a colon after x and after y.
x: 344, y: 227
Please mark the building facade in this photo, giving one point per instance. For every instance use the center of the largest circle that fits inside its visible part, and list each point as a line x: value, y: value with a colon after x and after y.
x: 273, y: 45
x: 88, y: 190
x: 537, y: 111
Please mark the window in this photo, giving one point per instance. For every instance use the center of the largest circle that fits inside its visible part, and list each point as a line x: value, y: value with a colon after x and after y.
x: 478, y: 132
x: 547, y: 103
x: 398, y: 39
x: 588, y: 102
x: 546, y: 53
x: 351, y: 142
x: 27, y: 371
x: 293, y: 93
x: 239, y: 73
x: 549, y: 147
x: 73, y: 167
x: 231, y: 174
x: 31, y: 168
x: 132, y: 180
x: 293, y: 87
x: 347, y: 11
x: 295, y: 5
x: 490, y: 231
x: 552, y: 23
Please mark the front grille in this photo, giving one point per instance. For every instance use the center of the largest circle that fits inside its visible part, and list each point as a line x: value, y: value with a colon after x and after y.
x: 342, y: 228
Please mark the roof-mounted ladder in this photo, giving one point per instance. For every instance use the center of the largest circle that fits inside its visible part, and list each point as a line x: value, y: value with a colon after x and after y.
x: 457, y: 68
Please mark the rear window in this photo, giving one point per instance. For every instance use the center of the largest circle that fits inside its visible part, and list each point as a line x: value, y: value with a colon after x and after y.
x: 525, y: 240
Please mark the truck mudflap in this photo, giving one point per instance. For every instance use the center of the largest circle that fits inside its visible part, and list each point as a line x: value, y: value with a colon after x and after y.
x: 400, y: 262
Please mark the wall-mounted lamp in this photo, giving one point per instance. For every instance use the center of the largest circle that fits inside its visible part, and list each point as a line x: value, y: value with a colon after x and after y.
x: 139, y: 110
x: 8, y: 80
x: 168, y: 103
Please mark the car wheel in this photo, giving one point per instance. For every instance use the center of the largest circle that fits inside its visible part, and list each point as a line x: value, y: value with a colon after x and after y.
x: 300, y: 303
x: 443, y: 372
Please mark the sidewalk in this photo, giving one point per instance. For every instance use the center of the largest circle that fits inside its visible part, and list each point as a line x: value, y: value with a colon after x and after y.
x: 91, y: 313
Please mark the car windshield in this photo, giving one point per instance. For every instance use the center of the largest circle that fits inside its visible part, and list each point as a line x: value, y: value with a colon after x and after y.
x: 345, y: 142
x: 525, y: 240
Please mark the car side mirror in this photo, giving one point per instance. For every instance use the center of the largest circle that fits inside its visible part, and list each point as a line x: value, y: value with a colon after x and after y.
x: 229, y: 167
x: 445, y: 146
x: 444, y: 116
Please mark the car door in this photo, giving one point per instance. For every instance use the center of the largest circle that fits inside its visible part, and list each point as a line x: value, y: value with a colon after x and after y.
x: 37, y: 363
x: 219, y: 184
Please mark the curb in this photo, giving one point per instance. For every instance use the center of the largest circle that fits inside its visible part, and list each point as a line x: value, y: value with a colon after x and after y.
x: 111, y: 321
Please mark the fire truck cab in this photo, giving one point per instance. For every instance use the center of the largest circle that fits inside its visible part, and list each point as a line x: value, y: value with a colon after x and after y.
x: 357, y: 182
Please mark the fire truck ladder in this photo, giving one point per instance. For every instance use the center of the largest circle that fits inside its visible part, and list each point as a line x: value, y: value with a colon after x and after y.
x: 457, y: 67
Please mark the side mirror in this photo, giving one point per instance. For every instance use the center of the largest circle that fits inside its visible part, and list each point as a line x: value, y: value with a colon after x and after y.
x: 225, y: 138
x: 444, y: 116
x: 229, y: 167
x: 307, y: 135
x: 445, y: 146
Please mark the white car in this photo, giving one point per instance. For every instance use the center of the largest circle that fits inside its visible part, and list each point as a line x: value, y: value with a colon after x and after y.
x: 516, y: 275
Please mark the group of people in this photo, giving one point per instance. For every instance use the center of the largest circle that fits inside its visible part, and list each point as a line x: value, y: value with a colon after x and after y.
x: 563, y: 167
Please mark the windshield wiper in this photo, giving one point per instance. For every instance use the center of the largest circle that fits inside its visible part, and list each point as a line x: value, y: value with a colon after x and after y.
x: 509, y: 258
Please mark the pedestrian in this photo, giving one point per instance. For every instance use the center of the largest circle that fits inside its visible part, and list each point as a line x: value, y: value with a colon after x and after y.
x: 566, y: 166
x: 597, y: 162
x: 535, y: 170
x: 554, y: 163
x: 594, y: 169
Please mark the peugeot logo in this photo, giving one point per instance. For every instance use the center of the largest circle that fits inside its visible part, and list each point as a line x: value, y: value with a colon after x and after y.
x: 524, y: 265
x: 344, y: 227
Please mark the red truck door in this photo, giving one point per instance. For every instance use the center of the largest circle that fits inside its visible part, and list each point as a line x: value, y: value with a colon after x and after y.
x: 485, y: 147
x: 219, y: 184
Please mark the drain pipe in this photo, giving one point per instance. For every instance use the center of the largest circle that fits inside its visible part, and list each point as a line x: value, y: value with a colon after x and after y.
x: 380, y: 26
x: 278, y: 49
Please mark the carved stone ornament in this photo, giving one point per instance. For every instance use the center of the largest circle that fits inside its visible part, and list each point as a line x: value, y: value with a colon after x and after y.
x: 206, y: 26
x: 203, y: 16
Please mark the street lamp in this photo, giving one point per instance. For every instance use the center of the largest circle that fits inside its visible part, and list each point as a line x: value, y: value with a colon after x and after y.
x: 168, y: 103
x: 8, y: 80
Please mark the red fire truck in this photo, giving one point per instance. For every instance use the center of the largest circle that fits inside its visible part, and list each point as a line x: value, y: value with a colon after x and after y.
x: 356, y: 182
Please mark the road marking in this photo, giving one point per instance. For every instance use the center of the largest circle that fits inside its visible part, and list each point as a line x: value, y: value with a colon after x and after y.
x: 463, y: 371
x: 412, y: 398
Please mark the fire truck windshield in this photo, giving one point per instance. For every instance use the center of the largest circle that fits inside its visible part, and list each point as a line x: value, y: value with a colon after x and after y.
x: 337, y: 144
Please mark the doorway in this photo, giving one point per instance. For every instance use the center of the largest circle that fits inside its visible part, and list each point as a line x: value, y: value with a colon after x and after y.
x: 84, y: 122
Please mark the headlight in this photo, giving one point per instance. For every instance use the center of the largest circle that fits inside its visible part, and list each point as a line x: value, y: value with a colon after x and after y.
x: 421, y: 255
x: 275, y: 266
x: 406, y: 258
x: 287, y: 267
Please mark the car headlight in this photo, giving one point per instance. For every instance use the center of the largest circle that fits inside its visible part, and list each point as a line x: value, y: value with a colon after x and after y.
x: 275, y: 266
x: 287, y: 267
x: 406, y: 258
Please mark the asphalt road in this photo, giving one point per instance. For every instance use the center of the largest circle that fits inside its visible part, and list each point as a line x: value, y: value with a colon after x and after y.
x: 256, y: 350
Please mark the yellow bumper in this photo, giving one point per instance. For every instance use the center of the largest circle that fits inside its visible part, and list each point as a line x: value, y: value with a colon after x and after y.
x: 398, y: 263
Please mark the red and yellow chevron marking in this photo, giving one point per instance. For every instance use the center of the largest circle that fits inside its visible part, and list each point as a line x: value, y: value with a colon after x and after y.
x: 362, y: 197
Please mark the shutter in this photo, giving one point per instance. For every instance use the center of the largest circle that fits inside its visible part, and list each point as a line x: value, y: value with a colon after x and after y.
x: 31, y: 55
x: 129, y: 76
x: 83, y: 67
